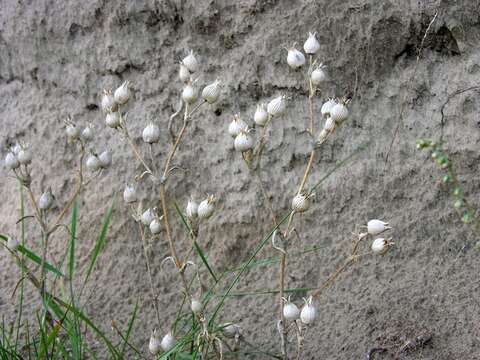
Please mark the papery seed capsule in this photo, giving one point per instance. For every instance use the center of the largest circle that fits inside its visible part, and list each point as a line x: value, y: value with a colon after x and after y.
x: 236, y: 126
x: 122, y: 94
x: 300, y: 203
x: 375, y: 227
x: 206, y: 207
x: 184, y: 73
x: 12, y: 243
x: 327, y: 107
x: 93, y: 163
x: 154, y: 343
x: 87, y: 133
x: 261, y: 115
x: 105, y: 159
x: 311, y: 45
x: 73, y: 132
x: 189, y: 93
x: 295, y: 58
x: 46, y: 200
x: 108, y: 102
x: 24, y: 156
x: 339, y: 113
x: 191, y: 209
x: 308, y: 313
x: 130, y: 194
x: 211, y: 92
x: 147, y: 217
x: 168, y: 342
x: 196, y: 306
x: 277, y: 106
x: 155, y: 226
x: 318, y: 75
x: 151, y: 133
x: 329, y: 124
x: 112, y: 119
x: 244, y: 141
x: 190, y: 62
x: 380, y: 246
x: 230, y: 330
x: 11, y: 161
x: 16, y: 149
x: 290, y: 311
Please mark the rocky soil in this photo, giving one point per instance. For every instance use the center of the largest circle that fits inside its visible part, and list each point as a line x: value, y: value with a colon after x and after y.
x: 57, y: 56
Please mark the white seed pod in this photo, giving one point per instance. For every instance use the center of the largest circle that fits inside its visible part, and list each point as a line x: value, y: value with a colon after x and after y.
x: 380, y: 246
x: 192, y: 209
x: 155, y: 226
x: 290, y: 311
x: 277, y: 106
x: 261, y: 116
x: 236, y: 126
x: 93, y: 163
x: 183, y: 73
x: 339, y: 113
x: 73, y: 132
x: 230, y: 330
x: 112, y: 119
x: 87, y: 133
x: 105, y: 159
x: 295, y: 58
x: 211, y: 92
x: 147, y: 217
x: 244, y: 141
x: 11, y: 161
x: 318, y: 75
x: 24, y: 156
x: 196, y: 306
x: 311, y: 45
x: 12, y: 243
x: 329, y: 124
x: 154, y: 343
x: 108, y: 102
x: 327, y: 107
x: 300, y: 203
x: 130, y: 194
x: 168, y: 342
x: 189, y: 93
x: 206, y: 207
x: 122, y: 94
x: 375, y: 227
x: 46, y: 200
x: 16, y: 149
x: 190, y: 62
x: 308, y: 313
x: 151, y: 133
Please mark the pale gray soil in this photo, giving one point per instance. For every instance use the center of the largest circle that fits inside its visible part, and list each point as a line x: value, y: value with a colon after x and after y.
x: 57, y: 56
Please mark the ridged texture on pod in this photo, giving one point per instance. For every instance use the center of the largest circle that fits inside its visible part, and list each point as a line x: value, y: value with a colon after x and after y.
x: 151, y: 133
x: 295, y: 58
x: 108, y: 102
x: 261, y: 116
x: 130, y: 194
x: 244, y: 141
x: 206, y: 208
x: 380, y: 246
x: 318, y: 76
x: 339, y: 113
x: 236, y: 126
x: 211, y: 92
x: 112, y: 119
x: 189, y: 94
x: 329, y: 124
x: 190, y: 62
x: 122, y: 94
x: 290, y: 311
x: 308, y: 313
x: 311, y: 45
x: 46, y: 200
x: 300, y: 203
x: 192, y: 209
x: 154, y: 343
x: 327, y: 107
x: 277, y: 106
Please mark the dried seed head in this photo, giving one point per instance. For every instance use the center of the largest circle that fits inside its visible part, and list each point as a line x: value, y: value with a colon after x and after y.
x: 206, y: 207
x: 154, y: 343
x: 12, y: 243
x: 151, y: 133
x: 184, y: 73
x: 339, y: 113
x: 244, y: 141
x: 93, y: 163
x: 46, y: 200
x: 236, y: 125
x: 11, y: 161
x: 311, y: 46
x: 168, y: 342
x: 196, y: 306
x: 295, y: 58
x: 191, y: 210
x: 155, y: 226
x: 112, y: 119
x: 318, y: 75
x: 190, y: 62
x: 87, y: 133
x: 130, y: 194
x: 290, y: 311
x: 231, y: 330
x: 16, y: 148
x: 380, y: 246
x: 375, y: 227
x: 122, y: 94
x: 147, y: 217
x: 301, y: 203
x: 108, y: 102
x: 277, y: 106
x: 308, y: 313
x: 105, y: 159
x: 189, y: 93
x: 73, y: 132
x: 211, y: 92
x: 261, y: 115
x: 327, y: 107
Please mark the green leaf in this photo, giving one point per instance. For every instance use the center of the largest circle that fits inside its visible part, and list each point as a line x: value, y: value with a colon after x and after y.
x: 72, y: 243
x: 129, y: 329
x: 34, y: 257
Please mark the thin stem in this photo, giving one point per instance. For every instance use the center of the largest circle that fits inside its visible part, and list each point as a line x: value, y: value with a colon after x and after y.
x: 310, y: 97
x: 135, y: 150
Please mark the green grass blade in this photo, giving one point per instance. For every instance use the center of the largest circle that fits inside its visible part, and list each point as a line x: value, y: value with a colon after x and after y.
x: 72, y: 244
x: 197, y: 247
x: 129, y: 329
x: 22, y: 285
x: 98, y: 245
x: 34, y: 257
